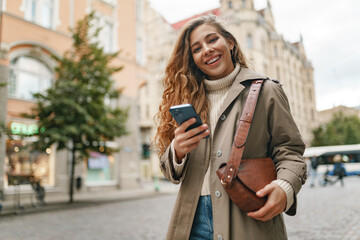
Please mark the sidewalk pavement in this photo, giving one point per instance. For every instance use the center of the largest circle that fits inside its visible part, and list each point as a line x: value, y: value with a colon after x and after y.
x: 84, y: 199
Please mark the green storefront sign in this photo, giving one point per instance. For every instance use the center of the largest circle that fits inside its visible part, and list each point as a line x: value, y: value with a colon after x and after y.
x: 23, y: 129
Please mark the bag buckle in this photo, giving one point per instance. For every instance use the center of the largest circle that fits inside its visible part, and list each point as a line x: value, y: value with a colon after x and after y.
x: 225, y: 184
x: 222, y: 182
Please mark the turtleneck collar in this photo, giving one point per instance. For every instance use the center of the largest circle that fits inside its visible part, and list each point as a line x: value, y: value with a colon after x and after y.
x: 217, y: 84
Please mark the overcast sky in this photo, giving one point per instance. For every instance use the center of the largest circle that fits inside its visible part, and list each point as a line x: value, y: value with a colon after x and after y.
x: 331, y: 36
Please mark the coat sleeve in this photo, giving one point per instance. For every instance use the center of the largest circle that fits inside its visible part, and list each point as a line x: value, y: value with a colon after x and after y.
x: 168, y: 169
x: 286, y: 145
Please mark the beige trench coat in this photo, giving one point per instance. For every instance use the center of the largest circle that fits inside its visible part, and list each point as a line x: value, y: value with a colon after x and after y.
x: 273, y: 133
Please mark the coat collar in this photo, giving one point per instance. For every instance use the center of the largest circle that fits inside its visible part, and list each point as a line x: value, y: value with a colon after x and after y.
x: 245, y: 74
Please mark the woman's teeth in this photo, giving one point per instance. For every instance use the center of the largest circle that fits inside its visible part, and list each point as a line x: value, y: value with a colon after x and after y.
x: 213, y: 60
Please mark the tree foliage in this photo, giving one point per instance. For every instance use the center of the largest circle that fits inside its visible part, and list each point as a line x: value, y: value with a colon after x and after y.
x: 5, y: 130
x: 341, y: 130
x: 76, y: 113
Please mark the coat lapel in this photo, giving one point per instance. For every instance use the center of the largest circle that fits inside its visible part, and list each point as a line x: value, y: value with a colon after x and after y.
x: 236, y: 88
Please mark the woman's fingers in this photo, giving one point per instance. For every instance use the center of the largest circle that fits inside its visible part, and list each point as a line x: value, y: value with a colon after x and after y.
x: 186, y: 124
x: 185, y: 141
x: 182, y: 134
x: 274, y: 205
x: 191, y: 137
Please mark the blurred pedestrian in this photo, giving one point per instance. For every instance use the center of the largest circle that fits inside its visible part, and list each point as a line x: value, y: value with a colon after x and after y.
x: 314, y: 163
x: 339, y: 169
x: 208, y: 70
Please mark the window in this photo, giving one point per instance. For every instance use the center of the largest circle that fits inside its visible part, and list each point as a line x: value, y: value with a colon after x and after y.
x: 139, y: 52
x: 147, y: 113
x: 100, y: 168
x: 230, y: 5
x: 243, y: 3
x: 312, y: 114
x: 162, y: 63
x: 111, y: 2
x: 40, y: 12
x: 138, y: 10
x: 23, y: 162
x: 263, y: 45
x: 106, y: 35
x: 278, y: 73
x: 30, y: 10
x: 27, y: 76
x: 275, y: 52
x: 146, y: 151
x: 249, y: 41
x: 47, y: 13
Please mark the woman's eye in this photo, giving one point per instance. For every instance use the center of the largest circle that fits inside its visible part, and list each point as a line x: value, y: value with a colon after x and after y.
x: 213, y: 39
x: 195, y: 50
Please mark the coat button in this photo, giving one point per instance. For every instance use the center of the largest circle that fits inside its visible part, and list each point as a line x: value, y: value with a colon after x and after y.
x: 220, y: 237
x: 223, y: 117
x: 218, y: 194
x: 219, y: 153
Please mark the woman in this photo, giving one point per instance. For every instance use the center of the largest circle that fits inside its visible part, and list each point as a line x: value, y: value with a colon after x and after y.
x: 208, y: 70
x: 339, y: 169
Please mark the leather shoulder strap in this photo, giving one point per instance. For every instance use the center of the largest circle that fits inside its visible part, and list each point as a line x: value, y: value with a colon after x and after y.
x: 242, y: 133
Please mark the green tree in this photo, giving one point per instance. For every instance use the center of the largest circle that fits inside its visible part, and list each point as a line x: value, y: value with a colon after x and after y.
x: 74, y: 114
x: 341, y: 130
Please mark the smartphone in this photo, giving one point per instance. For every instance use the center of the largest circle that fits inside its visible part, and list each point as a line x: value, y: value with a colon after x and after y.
x: 184, y: 112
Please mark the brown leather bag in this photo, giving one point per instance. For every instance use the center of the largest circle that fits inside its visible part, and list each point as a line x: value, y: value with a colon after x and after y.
x: 242, y: 178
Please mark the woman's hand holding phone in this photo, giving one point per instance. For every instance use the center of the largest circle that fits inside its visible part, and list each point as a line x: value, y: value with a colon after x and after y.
x: 185, y: 141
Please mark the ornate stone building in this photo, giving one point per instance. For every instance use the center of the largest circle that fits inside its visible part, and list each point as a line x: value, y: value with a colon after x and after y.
x: 267, y: 51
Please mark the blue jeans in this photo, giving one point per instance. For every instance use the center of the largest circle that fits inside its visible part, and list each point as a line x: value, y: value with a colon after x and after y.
x: 202, y: 228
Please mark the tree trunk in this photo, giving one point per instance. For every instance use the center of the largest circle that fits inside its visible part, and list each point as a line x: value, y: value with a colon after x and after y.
x: 72, y: 174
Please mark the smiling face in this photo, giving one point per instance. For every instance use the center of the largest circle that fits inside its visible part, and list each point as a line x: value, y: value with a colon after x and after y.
x: 211, y: 52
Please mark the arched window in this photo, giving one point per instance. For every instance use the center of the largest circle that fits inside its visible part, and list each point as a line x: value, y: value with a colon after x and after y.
x: 27, y: 76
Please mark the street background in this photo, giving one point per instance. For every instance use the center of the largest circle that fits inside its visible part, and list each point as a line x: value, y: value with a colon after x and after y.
x: 113, y: 198
x: 330, y: 213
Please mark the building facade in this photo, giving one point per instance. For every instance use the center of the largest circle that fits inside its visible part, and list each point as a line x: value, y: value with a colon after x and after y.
x: 32, y: 31
x: 266, y: 50
x: 325, y: 116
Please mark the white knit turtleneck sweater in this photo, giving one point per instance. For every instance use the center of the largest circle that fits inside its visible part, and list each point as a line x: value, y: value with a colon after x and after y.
x: 216, y: 93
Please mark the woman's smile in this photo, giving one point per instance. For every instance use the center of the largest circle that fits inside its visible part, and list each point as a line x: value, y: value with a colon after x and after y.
x: 213, y: 60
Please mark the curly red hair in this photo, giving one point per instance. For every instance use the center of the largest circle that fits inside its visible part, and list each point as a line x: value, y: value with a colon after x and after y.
x: 183, y: 81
